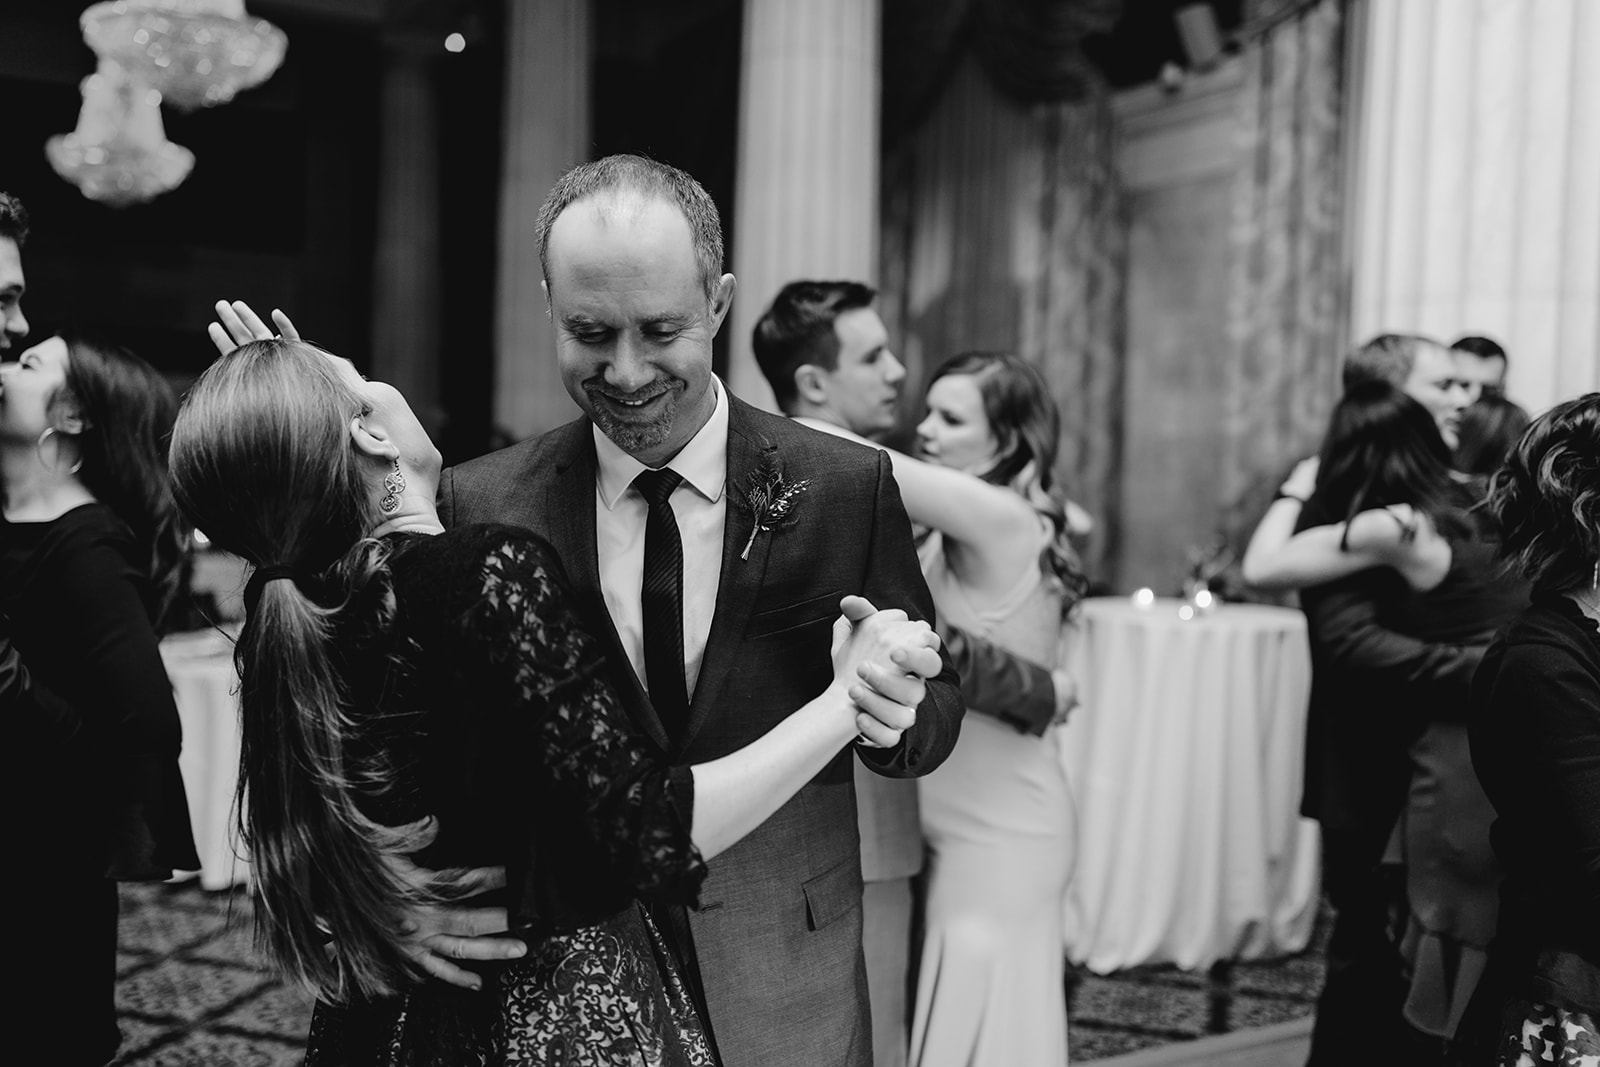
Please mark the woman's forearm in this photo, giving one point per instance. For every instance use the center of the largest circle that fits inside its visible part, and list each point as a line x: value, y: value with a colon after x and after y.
x: 738, y: 792
x: 1260, y: 564
x: 962, y: 506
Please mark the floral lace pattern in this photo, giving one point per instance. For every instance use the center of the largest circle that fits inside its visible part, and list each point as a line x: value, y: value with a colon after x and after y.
x: 597, y: 998
x: 1552, y: 1035
x: 595, y: 761
x: 497, y: 679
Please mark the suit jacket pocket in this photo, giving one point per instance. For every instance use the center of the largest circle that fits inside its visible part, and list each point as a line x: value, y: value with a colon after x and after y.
x: 823, y: 608
x: 831, y: 894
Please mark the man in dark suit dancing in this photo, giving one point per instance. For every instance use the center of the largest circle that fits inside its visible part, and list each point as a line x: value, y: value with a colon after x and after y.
x: 773, y: 525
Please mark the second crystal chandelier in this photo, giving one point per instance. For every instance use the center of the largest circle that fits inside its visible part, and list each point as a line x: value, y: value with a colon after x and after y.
x: 187, y: 53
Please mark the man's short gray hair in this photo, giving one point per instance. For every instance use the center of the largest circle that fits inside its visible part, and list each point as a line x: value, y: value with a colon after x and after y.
x: 623, y: 175
x: 1388, y: 357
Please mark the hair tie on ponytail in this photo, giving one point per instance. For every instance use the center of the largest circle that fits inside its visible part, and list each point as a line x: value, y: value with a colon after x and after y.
x: 259, y: 580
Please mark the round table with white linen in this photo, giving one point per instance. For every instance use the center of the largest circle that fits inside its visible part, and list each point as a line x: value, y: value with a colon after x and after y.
x: 1186, y: 762
x: 205, y: 687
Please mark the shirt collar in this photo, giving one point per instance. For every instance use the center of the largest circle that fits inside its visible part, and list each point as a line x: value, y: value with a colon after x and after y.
x: 835, y: 429
x: 702, y: 463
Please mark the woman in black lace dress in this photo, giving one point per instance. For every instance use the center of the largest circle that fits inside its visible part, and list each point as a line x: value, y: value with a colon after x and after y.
x: 412, y: 690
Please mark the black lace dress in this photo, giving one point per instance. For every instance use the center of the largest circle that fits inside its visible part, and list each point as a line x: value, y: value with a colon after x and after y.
x: 486, y: 700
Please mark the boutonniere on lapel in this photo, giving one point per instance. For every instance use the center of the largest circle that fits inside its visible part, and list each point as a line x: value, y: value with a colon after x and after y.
x: 770, y: 498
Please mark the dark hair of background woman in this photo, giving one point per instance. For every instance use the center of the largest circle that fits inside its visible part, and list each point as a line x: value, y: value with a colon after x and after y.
x: 127, y: 410
x: 1383, y: 448
x: 1027, y: 426
x: 1546, y: 498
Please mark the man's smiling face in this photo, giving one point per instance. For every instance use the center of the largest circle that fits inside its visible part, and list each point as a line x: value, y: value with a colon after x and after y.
x: 633, y: 322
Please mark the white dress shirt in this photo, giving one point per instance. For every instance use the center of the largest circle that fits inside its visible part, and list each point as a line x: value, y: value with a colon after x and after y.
x: 701, y: 507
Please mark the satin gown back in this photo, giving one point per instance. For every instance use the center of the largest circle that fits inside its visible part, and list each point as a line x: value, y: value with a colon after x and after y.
x: 1001, y: 831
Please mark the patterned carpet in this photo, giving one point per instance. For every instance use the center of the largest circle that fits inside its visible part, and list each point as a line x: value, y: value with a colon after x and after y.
x: 192, y: 993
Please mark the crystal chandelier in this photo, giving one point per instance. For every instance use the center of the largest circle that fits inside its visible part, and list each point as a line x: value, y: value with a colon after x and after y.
x: 119, y: 154
x: 196, y: 53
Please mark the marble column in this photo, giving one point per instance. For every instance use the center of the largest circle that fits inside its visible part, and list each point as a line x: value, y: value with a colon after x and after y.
x: 1476, y: 181
x: 405, y: 275
x: 806, y: 203
x: 547, y: 129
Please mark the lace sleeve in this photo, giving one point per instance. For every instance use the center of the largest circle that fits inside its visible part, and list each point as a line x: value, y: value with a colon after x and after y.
x: 633, y: 812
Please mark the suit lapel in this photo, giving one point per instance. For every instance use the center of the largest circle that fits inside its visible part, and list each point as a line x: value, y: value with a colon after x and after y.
x: 741, y: 577
x: 569, y: 506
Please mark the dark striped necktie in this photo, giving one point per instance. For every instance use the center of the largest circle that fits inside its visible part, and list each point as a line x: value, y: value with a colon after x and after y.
x: 661, y: 597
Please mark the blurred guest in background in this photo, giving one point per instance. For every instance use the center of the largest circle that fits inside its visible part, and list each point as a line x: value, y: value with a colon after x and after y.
x: 1489, y: 427
x: 90, y: 554
x: 826, y: 354
x: 1385, y: 472
x: 13, y: 232
x: 393, y: 672
x: 22, y: 695
x: 1357, y: 766
x: 1482, y: 363
x: 998, y: 814
x: 1535, y: 727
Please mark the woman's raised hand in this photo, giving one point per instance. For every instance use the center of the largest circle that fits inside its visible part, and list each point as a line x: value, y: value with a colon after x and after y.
x: 239, y: 323
x: 880, y: 659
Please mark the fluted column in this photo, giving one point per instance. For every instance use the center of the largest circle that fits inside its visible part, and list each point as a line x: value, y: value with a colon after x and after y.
x: 405, y: 276
x: 1477, y: 181
x: 547, y: 120
x: 806, y: 205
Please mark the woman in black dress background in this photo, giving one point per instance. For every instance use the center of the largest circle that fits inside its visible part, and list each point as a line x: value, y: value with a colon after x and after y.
x: 90, y: 554
x: 1535, y: 732
x: 396, y: 675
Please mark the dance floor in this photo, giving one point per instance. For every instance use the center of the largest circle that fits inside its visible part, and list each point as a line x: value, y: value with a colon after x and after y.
x: 191, y: 993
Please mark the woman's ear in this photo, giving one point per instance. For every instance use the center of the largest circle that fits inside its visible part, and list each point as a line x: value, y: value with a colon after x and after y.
x: 65, y: 415
x: 371, y: 440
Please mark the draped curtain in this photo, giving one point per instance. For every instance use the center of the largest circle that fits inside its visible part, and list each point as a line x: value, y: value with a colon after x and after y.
x: 1477, y: 175
x: 1286, y: 308
x: 1002, y: 224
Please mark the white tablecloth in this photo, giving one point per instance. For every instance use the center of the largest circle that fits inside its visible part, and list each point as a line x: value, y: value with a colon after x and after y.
x: 1186, y: 761
x: 205, y: 687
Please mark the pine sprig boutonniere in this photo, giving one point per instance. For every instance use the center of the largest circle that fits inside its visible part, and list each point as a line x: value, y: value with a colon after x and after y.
x: 770, y: 498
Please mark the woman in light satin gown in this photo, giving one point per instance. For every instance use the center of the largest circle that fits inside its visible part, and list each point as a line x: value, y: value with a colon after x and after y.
x: 998, y: 813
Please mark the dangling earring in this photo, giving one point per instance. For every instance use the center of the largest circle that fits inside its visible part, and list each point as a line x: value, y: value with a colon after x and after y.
x: 38, y: 446
x: 394, y: 483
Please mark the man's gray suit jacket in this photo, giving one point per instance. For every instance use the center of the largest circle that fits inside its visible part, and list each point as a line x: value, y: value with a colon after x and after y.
x: 778, y: 930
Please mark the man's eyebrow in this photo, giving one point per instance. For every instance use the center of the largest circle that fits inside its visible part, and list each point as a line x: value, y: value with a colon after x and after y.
x: 678, y: 319
x: 574, y: 319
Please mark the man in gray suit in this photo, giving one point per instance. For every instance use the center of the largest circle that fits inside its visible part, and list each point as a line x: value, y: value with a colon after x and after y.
x: 777, y: 523
x: 825, y: 352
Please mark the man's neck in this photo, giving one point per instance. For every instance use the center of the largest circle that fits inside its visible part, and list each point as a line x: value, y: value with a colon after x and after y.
x: 820, y: 414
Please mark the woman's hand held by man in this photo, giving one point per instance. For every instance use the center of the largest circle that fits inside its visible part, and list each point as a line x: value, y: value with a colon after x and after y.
x: 882, y: 659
